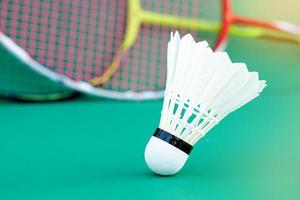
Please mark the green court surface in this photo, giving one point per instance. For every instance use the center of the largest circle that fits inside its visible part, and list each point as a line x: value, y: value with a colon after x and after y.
x: 92, y: 148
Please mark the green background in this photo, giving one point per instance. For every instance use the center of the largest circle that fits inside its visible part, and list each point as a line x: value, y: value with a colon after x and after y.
x: 92, y: 148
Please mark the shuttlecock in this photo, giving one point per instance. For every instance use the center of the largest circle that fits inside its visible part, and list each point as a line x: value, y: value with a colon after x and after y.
x: 202, y: 88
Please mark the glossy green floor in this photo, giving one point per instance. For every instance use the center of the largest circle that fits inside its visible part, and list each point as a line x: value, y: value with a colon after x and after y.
x: 93, y: 149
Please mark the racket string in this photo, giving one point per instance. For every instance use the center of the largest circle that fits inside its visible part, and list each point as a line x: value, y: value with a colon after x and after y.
x: 80, y: 38
x: 144, y: 65
x: 75, y: 38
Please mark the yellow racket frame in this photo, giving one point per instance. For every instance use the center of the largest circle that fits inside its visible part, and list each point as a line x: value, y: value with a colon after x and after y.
x: 136, y: 16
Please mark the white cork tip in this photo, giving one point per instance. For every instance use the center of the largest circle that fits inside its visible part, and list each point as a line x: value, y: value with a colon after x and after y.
x: 163, y: 158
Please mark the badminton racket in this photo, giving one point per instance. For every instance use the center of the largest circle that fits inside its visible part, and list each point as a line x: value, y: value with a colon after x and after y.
x: 113, y: 49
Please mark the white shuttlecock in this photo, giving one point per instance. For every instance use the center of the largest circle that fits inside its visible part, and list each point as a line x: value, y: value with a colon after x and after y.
x: 202, y: 88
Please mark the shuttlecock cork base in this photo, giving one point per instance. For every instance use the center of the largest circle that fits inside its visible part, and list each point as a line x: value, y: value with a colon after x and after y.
x: 165, y: 153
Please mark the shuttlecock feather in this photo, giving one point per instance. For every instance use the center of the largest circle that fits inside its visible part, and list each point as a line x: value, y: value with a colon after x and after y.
x: 202, y: 88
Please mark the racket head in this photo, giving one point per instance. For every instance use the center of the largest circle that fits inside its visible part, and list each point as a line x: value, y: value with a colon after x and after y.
x: 72, y: 38
x: 80, y: 40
